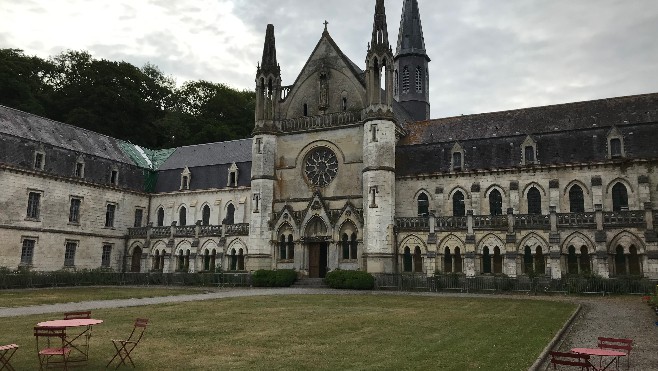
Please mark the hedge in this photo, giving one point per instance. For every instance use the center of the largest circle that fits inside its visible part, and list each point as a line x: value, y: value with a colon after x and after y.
x: 351, y: 280
x: 278, y: 278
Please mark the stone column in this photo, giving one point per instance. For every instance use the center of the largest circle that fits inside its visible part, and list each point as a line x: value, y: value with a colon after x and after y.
x: 601, y: 239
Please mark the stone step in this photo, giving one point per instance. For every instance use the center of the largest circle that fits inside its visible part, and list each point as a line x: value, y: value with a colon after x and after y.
x: 310, y: 282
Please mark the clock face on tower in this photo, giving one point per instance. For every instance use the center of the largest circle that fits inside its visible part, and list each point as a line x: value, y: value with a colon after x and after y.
x: 321, y: 166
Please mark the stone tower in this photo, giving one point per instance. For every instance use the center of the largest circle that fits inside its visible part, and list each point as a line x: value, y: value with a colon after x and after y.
x: 264, y: 148
x: 379, y: 138
x: 411, y: 64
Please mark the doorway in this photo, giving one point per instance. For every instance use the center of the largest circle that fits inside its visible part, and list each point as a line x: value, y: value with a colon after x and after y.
x: 135, y: 265
x: 317, y: 260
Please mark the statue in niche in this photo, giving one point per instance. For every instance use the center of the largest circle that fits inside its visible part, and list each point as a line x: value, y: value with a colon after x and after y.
x: 324, y: 90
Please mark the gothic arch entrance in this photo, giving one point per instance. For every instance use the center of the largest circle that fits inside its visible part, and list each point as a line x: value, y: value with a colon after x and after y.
x: 135, y: 264
x: 316, y: 239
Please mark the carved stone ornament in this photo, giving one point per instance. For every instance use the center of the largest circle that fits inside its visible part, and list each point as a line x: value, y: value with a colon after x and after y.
x: 321, y: 166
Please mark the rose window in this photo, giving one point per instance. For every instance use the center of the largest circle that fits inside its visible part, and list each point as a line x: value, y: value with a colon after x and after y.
x: 321, y: 166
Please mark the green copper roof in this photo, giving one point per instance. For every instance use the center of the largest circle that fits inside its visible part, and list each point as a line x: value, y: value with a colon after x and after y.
x: 144, y: 157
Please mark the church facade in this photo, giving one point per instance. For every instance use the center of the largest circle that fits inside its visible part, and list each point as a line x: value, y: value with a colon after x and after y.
x: 346, y: 170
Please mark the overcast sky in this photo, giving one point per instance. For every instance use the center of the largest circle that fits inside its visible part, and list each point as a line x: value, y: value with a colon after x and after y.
x: 486, y: 55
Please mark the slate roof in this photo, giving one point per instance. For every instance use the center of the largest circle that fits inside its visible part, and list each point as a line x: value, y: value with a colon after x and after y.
x: 28, y: 126
x: 561, y: 117
x: 238, y: 151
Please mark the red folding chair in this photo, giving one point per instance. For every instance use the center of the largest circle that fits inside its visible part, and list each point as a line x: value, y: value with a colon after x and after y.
x: 6, y: 352
x: 125, y: 347
x: 77, y: 315
x: 623, y: 345
x: 54, y: 352
x: 571, y: 359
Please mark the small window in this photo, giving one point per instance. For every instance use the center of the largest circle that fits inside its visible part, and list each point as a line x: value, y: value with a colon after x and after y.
x: 529, y: 155
x: 109, y: 215
x: 373, y: 132
x: 405, y: 80
x: 105, y: 257
x: 305, y: 109
x: 139, y: 215
x: 27, y: 252
x: 615, y: 148
x: 160, y: 217
x: 291, y: 248
x: 39, y: 158
x: 80, y: 170
x: 495, y: 203
x: 576, y: 200
x: 69, y: 254
x: 33, y: 205
x: 205, y: 215
x: 74, y: 211
x: 230, y: 215
x: 457, y: 161
x: 186, y: 183
x: 619, y: 197
x: 354, y: 246
x: 458, y: 204
x: 182, y: 216
x: 233, y: 175
x: 344, y: 104
x: 534, y: 201
x: 114, y: 177
x: 423, y: 205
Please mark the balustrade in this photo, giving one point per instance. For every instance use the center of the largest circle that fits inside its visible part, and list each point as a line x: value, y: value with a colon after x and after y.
x: 497, y: 222
x: 576, y: 220
x: 160, y: 232
x: 185, y: 231
x: 532, y: 221
x: 624, y: 218
x: 137, y: 232
x: 211, y: 230
x: 451, y: 223
x: 320, y: 122
x: 237, y: 229
x: 413, y: 224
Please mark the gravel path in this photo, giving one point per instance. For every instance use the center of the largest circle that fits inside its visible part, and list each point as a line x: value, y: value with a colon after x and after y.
x: 625, y: 316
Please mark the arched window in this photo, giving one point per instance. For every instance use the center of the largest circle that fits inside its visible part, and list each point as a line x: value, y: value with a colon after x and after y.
x: 233, y: 260
x: 354, y: 245
x: 534, y: 201
x: 205, y: 215
x: 529, y: 155
x: 160, y: 217
x: 620, y: 262
x: 405, y: 80
x: 291, y: 248
x: 495, y: 203
x: 240, y: 260
x: 230, y: 215
x: 458, y: 260
x: 182, y: 216
x: 418, y: 260
x: 423, y: 205
x: 407, y: 260
x: 572, y: 261
x: 162, y: 260
x: 419, y: 80
x: 346, y: 247
x: 585, y: 266
x: 458, y: 207
x: 447, y: 261
x: 576, y: 199
x: 634, y: 262
x: 283, y: 248
x: 486, y: 261
x: 540, y: 266
x: 156, y: 260
x: 206, y: 260
x: 619, y: 197
x: 212, y: 260
x: 527, y: 260
x: 497, y: 261
x: 187, y: 260
x: 181, y: 261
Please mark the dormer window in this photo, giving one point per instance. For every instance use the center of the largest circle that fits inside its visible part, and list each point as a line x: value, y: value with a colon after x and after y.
x: 185, y: 178
x: 233, y: 176
x: 79, y: 171
x: 114, y: 177
x: 616, y: 144
x: 529, y: 151
x: 39, y: 160
x: 457, y: 158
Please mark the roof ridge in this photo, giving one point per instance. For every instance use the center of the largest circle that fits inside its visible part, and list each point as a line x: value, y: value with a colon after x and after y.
x: 208, y: 144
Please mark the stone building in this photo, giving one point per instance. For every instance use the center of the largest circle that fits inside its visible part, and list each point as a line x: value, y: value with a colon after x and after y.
x: 346, y: 170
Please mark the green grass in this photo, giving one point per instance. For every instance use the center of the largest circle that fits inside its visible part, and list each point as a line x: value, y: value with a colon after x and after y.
x: 322, y: 333
x: 24, y: 298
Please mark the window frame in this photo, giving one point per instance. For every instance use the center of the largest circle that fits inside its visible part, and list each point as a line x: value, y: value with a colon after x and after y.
x: 70, y: 248
x: 74, y: 212
x: 27, y: 260
x: 110, y: 214
x: 138, y: 222
x: 106, y: 255
x: 33, y: 212
x: 39, y: 162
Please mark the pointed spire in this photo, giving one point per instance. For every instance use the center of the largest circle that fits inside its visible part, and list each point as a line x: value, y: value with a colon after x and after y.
x: 269, y: 62
x: 410, y: 37
x: 379, y: 27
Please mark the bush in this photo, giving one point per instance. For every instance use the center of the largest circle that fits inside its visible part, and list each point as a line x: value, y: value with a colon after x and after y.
x: 351, y: 280
x: 278, y: 278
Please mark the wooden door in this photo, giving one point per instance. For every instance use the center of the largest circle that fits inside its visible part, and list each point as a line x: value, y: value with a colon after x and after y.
x: 314, y: 261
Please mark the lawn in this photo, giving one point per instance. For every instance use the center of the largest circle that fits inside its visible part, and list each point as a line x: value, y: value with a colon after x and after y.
x: 24, y: 298
x: 322, y: 332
